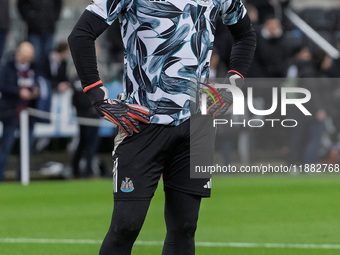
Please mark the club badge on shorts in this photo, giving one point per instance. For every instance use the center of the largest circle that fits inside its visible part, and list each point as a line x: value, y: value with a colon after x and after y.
x: 127, y: 185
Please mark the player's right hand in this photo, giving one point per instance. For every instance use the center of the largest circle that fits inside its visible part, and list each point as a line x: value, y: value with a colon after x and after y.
x: 125, y: 116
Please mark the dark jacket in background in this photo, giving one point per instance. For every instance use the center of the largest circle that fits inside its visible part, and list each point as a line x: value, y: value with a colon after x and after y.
x: 10, y: 101
x: 4, y: 15
x: 270, y: 58
x: 322, y: 91
x: 56, y: 73
x: 334, y: 70
x: 40, y: 15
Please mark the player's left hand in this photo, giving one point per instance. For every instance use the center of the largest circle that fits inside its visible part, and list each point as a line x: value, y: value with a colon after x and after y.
x: 218, y: 110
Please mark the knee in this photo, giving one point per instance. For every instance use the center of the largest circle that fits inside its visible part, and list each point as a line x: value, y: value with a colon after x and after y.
x: 184, y: 227
x: 189, y: 228
x: 120, y: 239
x: 127, y: 229
x: 124, y: 233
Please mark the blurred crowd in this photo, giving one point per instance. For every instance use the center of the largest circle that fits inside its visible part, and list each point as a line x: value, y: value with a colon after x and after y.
x: 29, y: 77
x: 40, y: 68
x: 286, y: 54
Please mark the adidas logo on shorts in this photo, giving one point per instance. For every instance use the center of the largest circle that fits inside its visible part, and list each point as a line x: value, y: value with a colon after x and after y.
x: 208, y: 185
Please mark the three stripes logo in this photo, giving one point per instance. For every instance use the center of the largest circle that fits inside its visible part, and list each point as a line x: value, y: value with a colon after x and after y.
x: 115, y: 175
x: 208, y: 185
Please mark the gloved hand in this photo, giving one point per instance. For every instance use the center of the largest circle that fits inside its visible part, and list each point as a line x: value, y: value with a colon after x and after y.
x: 218, y: 107
x: 126, y: 116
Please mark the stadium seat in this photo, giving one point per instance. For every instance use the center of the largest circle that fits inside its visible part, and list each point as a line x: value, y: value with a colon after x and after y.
x: 317, y: 18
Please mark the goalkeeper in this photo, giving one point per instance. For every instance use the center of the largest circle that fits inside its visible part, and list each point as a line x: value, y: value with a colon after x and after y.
x: 167, y: 43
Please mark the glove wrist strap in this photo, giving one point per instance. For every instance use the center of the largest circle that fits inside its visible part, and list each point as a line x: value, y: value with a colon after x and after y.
x: 232, y: 72
x: 95, y: 92
x: 94, y: 85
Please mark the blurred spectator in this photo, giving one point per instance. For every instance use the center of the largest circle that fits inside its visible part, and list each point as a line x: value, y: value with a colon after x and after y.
x: 331, y: 67
x: 18, y: 90
x: 58, y: 68
x: 270, y: 55
x: 302, y: 65
x: 4, y: 24
x: 264, y: 8
x: 41, y: 17
x: 88, y: 135
x: 56, y: 80
x: 253, y: 14
x: 269, y: 7
x: 305, y: 138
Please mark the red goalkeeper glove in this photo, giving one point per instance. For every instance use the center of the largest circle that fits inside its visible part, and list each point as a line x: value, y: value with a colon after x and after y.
x: 218, y: 108
x: 126, y: 116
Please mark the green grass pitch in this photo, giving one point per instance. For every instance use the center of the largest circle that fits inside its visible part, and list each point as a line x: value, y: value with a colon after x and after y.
x: 256, y: 211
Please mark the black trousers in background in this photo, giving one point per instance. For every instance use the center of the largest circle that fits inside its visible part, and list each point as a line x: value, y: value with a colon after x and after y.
x: 87, y: 147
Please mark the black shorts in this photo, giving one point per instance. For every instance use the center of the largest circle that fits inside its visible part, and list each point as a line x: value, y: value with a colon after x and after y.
x: 141, y: 159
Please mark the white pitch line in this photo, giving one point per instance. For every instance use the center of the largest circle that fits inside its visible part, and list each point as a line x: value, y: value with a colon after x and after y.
x: 158, y: 243
x: 270, y: 245
x: 49, y: 241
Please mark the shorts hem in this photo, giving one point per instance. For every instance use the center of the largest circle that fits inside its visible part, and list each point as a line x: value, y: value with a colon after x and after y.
x: 132, y: 198
x: 188, y: 191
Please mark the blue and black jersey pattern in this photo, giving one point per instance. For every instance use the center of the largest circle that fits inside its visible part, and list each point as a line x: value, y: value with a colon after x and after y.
x: 167, y: 45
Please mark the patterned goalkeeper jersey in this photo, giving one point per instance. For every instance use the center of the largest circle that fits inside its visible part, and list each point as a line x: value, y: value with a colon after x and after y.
x: 168, y: 45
